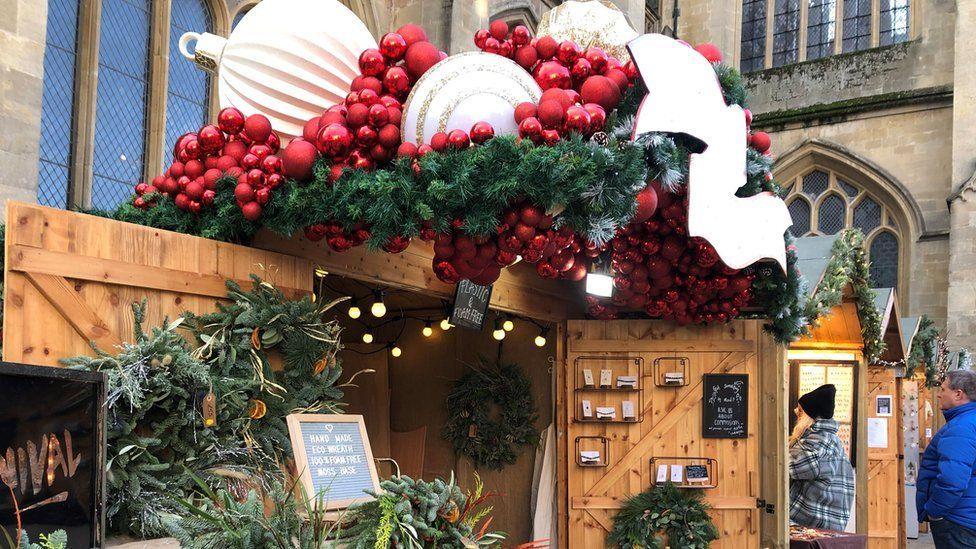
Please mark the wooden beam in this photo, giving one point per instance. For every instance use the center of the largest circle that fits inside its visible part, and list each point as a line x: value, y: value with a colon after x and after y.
x: 518, y: 290
x: 612, y: 502
x: 63, y: 297
x: 774, y: 485
x: 40, y: 261
x: 659, y: 345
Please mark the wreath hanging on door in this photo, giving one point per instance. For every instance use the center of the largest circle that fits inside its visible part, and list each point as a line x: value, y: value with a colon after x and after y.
x: 663, y: 509
x: 491, y: 414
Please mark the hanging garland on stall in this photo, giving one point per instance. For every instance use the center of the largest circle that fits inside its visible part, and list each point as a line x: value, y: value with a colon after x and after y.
x: 681, y: 514
x: 162, y: 432
x: 474, y: 428
x: 922, y: 351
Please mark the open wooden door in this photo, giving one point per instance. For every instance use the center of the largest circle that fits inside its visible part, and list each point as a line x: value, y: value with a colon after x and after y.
x: 886, y: 474
x: 668, y: 427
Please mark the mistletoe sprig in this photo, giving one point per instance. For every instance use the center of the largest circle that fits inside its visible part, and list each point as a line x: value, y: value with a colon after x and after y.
x: 664, y: 509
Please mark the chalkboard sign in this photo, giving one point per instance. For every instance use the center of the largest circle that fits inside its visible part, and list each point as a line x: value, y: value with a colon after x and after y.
x: 725, y: 406
x: 52, y: 452
x: 470, y: 305
x: 333, y: 458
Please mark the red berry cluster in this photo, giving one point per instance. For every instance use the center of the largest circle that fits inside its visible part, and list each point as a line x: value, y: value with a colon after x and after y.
x: 364, y: 131
x: 658, y: 268
x: 237, y: 146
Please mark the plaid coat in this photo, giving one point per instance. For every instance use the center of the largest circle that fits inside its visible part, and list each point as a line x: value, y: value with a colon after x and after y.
x: 821, y: 478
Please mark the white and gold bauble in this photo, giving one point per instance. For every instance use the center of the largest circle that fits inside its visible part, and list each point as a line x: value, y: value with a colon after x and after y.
x: 464, y: 89
x: 286, y: 59
x: 590, y: 23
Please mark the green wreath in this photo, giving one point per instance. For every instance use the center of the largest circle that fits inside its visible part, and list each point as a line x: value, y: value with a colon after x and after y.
x: 663, y: 509
x: 491, y: 414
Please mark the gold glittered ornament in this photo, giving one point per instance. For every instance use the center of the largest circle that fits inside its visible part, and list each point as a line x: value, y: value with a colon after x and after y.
x: 590, y: 23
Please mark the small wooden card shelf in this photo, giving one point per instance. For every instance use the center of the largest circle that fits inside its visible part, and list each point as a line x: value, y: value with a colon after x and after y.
x: 710, y: 465
x: 671, y: 364
x: 600, y: 397
x: 589, y: 443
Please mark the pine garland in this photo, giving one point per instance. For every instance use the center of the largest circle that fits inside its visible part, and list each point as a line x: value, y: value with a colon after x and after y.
x: 681, y: 514
x: 470, y: 428
x: 415, y: 514
x: 922, y: 352
x: 157, y: 439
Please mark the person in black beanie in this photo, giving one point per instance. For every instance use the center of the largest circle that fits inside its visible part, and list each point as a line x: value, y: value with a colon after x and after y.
x: 821, y: 476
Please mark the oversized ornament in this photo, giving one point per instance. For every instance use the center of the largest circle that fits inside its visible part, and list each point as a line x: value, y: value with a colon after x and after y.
x: 465, y: 89
x: 286, y: 59
x: 593, y: 23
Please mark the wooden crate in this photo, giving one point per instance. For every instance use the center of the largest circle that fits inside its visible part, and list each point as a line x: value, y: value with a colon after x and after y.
x: 748, y: 469
x: 70, y: 279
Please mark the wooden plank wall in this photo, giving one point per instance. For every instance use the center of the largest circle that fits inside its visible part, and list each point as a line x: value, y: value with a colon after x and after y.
x: 886, y: 471
x: 70, y: 279
x: 671, y: 426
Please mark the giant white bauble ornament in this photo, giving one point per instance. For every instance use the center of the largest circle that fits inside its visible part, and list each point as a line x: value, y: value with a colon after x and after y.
x: 286, y: 59
x: 464, y: 89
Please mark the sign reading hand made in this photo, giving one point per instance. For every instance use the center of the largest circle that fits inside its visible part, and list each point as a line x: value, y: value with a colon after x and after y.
x: 685, y: 97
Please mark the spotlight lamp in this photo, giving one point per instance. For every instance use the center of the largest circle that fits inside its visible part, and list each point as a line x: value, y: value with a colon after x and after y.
x: 598, y: 281
x: 378, y: 308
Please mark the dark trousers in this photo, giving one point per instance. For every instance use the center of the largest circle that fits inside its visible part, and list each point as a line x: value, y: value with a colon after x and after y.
x: 949, y: 535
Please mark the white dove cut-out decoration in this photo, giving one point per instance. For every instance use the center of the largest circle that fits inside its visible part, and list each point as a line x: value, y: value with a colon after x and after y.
x: 684, y: 96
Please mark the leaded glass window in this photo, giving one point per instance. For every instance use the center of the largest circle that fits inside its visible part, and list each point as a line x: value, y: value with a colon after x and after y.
x: 120, y: 110
x: 188, y: 88
x: 786, y: 26
x: 753, y: 48
x: 857, y: 25
x: 821, y: 27
x: 237, y: 18
x: 821, y: 202
x: 894, y: 22
x: 57, y: 103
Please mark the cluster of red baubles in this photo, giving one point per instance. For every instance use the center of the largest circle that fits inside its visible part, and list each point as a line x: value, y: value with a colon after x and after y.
x: 341, y: 240
x: 658, y: 268
x: 242, y: 147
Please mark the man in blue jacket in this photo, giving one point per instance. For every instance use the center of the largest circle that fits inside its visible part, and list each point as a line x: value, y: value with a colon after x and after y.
x: 947, y: 475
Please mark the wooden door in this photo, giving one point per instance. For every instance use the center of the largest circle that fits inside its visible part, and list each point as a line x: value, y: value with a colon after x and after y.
x: 70, y: 280
x: 886, y: 474
x: 669, y: 423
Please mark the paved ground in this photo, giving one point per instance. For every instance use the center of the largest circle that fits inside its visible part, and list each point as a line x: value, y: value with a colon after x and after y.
x: 924, y: 541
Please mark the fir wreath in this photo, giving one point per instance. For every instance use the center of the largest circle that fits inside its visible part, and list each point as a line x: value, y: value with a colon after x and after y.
x: 470, y: 427
x: 663, y: 509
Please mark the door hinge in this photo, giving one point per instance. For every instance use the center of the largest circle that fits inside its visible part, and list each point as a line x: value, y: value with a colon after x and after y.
x: 769, y: 508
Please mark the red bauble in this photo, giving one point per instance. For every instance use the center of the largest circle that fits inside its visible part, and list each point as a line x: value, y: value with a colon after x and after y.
x: 334, y: 140
x: 646, y: 204
x: 567, y: 52
x: 525, y: 110
x: 530, y: 128
x: 211, y: 138
x: 602, y: 91
x: 393, y: 46
x: 445, y: 272
x: 368, y: 97
x: 193, y: 169
x: 407, y: 149
x: 488, y: 275
x: 251, y: 211
x: 230, y: 120
x: 389, y: 136
x: 492, y: 45
x: 498, y: 29
x: 619, y: 78
x: 546, y: 270
x: 551, y: 113
x: 479, y: 38
x: 235, y: 150
x: 526, y: 57
x: 412, y: 33
x: 297, y: 160
x: 563, y: 260
x: 577, y: 272
x: 581, y: 70
x: 366, y: 136
x: 481, y: 132
x: 761, y: 141
x: 558, y: 95
x: 551, y: 74
x: 748, y: 115
x: 546, y: 46
x: 550, y: 137
x: 577, y: 120
x: 396, y: 81
x: 357, y: 116
x: 658, y: 268
x: 597, y: 58
x: 521, y: 35
x: 419, y: 57
x: 458, y: 140
x: 598, y: 117
x: 378, y: 116
x: 192, y: 149
x: 710, y: 51
x: 257, y: 127
x: 672, y: 247
x: 271, y: 164
x: 396, y: 244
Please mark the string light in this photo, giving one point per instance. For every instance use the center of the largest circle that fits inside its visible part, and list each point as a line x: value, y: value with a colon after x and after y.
x: 396, y: 351
x: 320, y: 272
x: 540, y: 340
x: 367, y: 337
x: 508, y: 325
x: 446, y: 325
x: 378, y: 308
x: 427, y: 331
x: 499, y: 333
x: 355, y: 312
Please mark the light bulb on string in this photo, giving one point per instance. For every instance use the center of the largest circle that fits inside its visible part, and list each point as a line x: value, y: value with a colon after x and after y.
x: 378, y: 308
x: 427, y: 331
x: 367, y: 337
x: 446, y: 325
x: 508, y: 325
x: 499, y: 333
x: 355, y: 312
x: 396, y: 351
x: 540, y: 340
